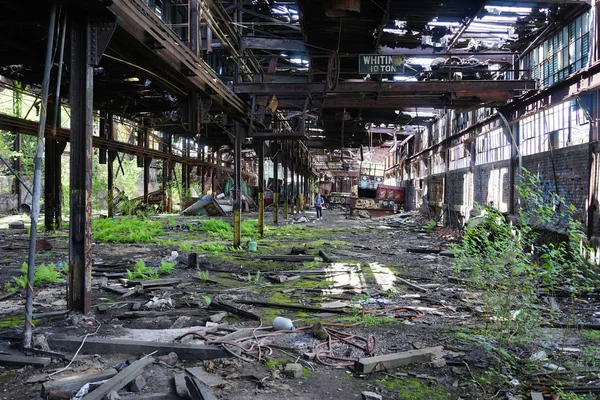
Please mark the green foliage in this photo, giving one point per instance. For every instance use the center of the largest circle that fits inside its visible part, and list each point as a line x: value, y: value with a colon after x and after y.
x: 250, y: 228
x: 508, y: 265
x: 185, y: 246
x: 218, y: 228
x: 203, y: 275
x: 255, y: 279
x: 207, y: 300
x: 141, y: 272
x: 562, y: 395
x: 214, y: 247
x: 125, y: 230
x: 409, y: 388
x: 171, y: 221
x: 44, y: 273
x: 430, y: 225
x: 588, y: 355
x: 166, y: 267
x: 590, y: 334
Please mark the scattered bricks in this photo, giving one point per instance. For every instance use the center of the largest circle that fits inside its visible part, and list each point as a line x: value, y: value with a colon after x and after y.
x: 137, y: 384
x: 180, y: 386
x: 293, y: 370
x: 218, y: 317
x: 370, y: 396
x: 170, y: 358
x: 181, y: 322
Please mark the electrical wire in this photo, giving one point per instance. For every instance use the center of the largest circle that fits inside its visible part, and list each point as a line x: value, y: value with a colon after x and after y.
x: 78, y: 350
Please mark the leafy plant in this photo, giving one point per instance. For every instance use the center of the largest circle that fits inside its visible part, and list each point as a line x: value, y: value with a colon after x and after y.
x: 214, y: 247
x: 126, y: 230
x: 254, y: 279
x: 430, y: 225
x: 166, y: 267
x: 141, y: 272
x: 207, y: 300
x: 185, y: 246
x: 44, y: 273
x: 217, y: 227
x: 202, y: 275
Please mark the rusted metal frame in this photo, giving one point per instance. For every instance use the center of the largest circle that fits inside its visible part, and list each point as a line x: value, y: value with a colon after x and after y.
x: 193, y: 29
x: 52, y: 184
x: 286, y: 194
x: 592, y: 200
x: 203, y: 76
x: 29, y: 128
x: 382, y: 24
x: 270, y: 19
x: 463, y: 28
x: 385, y: 88
x: 37, y: 178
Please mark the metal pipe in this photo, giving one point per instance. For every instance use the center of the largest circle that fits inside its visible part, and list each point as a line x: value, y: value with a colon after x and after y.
x: 37, y: 179
x: 276, y: 184
x: 237, y: 185
x: 12, y: 171
x: 61, y: 53
x: 261, y: 187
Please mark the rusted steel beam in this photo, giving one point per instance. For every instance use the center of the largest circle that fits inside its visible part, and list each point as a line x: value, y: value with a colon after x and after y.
x: 394, y: 103
x: 82, y: 124
x: 383, y: 88
x: 141, y: 23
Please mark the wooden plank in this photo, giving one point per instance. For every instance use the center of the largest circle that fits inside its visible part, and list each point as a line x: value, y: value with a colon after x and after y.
x: 290, y: 306
x: 191, y: 352
x: 298, y: 258
x: 537, y: 396
x: 412, y: 285
x: 71, y: 384
x: 387, y: 362
x: 326, y: 257
x: 119, y: 381
x: 423, y: 251
x: 20, y: 361
x: 234, y: 310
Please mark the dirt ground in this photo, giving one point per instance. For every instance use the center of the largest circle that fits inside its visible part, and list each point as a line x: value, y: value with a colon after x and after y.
x: 413, y: 300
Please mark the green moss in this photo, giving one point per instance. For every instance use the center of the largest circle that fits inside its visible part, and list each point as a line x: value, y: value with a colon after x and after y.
x: 408, y: 388
x: 589, y: 334
x: 217, y: 227
x: 214, y: 247
x: 312, y: 284
x: 306, y: 373
x: 14, y: 320
x: 275, y: 364
x: 370, y: 320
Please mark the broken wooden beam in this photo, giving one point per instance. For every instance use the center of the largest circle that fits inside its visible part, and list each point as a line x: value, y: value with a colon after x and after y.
x: 234, y: 310
x: 423, y: 251
x: 290, y: 306
x: 298, y: 258
x: 21, y: 361
x: 198, y: 390
x: 326, y: 257
x: 387, y: 362
x: 190, y: 352
x: 120, y: 380
x: 66, y: 388
x: 412, y: 285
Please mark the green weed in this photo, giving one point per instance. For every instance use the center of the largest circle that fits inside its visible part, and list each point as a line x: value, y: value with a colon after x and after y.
x: 202, y: 275
x: 250, y: 228
x: 185, y: 246
x: 44, y: 273
x: 590, y: 334
x: 217, y: 227
x: 430, y: 225
x: 126, y: 230
x: 214, y: 247
x: 141, y: 272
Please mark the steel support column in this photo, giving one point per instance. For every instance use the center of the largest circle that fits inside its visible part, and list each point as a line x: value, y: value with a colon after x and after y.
x: 17, y: 168
x: 147, y: 162
x: 292, y: 172
x: 237, y: 187
x: 110, y: 196
x: 286, y: 193
x: 275, y: 183
x: 52, y: 184
x: 261, y: 187
x: 82, y: 128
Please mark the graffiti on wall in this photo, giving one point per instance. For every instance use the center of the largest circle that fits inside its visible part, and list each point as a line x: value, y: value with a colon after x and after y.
x: 549, y: 186
x: 374, y: 204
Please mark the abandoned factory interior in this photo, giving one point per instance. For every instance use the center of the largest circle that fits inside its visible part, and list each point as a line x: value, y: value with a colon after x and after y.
x: 300, y: 199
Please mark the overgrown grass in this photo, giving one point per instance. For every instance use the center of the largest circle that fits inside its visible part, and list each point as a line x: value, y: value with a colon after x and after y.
x: 126, y: 230
x: 250, y: 228
x: 214, y: 247
x: 217, y: 227
x: 590, y: 335
x: 43, y: 273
